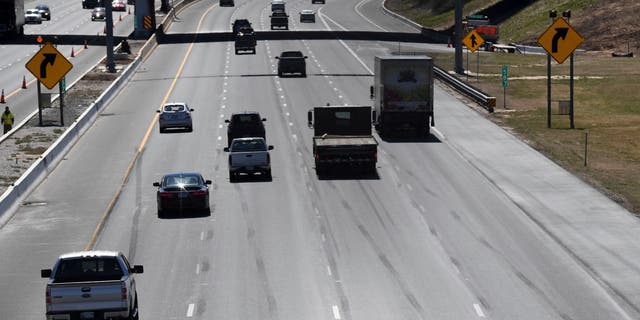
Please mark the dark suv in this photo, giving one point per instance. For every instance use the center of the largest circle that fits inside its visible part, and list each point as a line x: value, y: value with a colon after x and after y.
x: 292, y: 62
x: 241, y: 24
x: 245, y: 124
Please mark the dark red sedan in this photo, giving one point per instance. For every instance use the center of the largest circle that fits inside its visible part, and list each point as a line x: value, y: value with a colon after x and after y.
x: 184, y: 193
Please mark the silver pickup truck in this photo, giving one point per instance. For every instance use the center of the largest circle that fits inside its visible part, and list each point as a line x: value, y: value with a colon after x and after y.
x: 249, y: 156
x: 91, y: 285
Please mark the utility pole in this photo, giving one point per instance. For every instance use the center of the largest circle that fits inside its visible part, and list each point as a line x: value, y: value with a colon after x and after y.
x: 458, y: 38
x: 111, y: 65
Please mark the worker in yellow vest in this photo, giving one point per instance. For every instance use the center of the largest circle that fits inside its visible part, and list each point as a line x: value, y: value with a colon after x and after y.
x: 7, y: 120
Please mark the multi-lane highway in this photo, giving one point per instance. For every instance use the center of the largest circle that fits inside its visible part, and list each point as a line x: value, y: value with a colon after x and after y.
x: 472, y: 224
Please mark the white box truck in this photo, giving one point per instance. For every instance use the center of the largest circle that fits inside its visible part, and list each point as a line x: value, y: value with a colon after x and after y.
x: 403, y: 95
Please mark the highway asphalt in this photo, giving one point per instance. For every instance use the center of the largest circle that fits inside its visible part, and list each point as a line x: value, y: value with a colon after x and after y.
x: 471, y: 224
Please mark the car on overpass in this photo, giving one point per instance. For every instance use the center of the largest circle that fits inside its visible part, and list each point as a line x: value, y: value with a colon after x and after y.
x: 119, y: 5
x: 227, y: 3
x: 32, y: 16
x: 45, y: 12
x: 175, y: 115
x: 317, y: 1
x: 182, y: 192
x: 98, y: 13
x: 90, y: 4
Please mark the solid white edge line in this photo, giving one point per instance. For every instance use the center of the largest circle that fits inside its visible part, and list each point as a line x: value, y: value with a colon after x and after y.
x: 478, y: 310
x: 190, y: 310
x: 336, y: 312
x: 360, y: 4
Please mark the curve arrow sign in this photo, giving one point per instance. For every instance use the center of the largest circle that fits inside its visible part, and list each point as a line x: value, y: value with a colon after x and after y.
x: 49, y: 58
x: 560, y: 33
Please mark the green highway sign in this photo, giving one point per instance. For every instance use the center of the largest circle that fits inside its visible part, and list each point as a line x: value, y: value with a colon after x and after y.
x: 505, y: 76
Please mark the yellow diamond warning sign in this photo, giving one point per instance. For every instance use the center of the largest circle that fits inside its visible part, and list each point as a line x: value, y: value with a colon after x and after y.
x: 473, y: 40
x: 560, y: 40
x: 49, y: 65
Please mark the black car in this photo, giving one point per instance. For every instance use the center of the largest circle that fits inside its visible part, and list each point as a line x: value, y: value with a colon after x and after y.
x: 45, y: 12
x: 241, y: 24
x: 184, y: 192
x: 291, y: 63
x: 245, y: 124
x: 90, y: 4
x: 98, y: 13
x: 227, y: 3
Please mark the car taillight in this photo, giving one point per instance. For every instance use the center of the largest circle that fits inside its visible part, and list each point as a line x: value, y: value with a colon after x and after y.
x: 123, y: 292
x: 375, y: 155
x: 48, y: 295
x: 198, y: 193
x: 165, y: 194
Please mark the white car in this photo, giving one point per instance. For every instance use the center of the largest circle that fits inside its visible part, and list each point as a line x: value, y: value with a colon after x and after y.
x: 32, y: 16
x: 308, y: 16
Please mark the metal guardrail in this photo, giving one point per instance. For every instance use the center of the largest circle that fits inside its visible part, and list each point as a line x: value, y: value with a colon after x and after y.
x: 486, y: 101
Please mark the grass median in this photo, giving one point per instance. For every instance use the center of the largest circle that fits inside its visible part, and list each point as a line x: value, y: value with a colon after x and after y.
x: 607, y: 110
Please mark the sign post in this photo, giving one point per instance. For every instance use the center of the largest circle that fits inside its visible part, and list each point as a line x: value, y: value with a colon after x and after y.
x: 473, y: 41
x: 560, y: 40
x: 505, y: 84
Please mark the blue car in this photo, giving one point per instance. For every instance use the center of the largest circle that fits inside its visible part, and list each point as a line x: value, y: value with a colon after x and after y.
x: 175, y: 115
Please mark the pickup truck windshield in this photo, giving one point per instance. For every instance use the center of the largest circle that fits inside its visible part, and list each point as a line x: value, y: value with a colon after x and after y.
x: 248, y: 145
x: 88, y: 269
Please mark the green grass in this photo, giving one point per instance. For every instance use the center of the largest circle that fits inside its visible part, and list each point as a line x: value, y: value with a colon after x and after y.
x: 421, y: 14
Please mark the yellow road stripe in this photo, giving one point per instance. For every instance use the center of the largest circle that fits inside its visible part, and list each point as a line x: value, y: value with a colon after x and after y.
x: 115, y: 197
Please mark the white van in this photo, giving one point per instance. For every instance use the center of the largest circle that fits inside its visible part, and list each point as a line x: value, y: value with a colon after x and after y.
x: 277, y: 5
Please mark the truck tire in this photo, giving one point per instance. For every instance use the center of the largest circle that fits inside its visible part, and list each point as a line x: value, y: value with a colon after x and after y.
x: 267, y: 175
x: 135, y: 315
x: 303, y: 74
x: 232, y: 177
x: 160, y: 213
x: 280, y: 73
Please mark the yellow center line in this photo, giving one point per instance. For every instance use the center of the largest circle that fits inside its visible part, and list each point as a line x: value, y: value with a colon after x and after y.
x: 114, y: 199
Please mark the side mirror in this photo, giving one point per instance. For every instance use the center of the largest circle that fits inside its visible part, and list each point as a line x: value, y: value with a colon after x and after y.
x: 277, y: 58
x: 264, y: 119
x: 373, y: 116
x: 305, y: 57
x: 371, y: 93
x: 226, y: 149
x: 137, y: 269
x: 45, y: 273
x: 191, y: 110
x: 158, y: 111
x: 207, y: 182
x: 310, y: 119
x: 270, y: 148
x: 227, y: 121
x: 156, y: 184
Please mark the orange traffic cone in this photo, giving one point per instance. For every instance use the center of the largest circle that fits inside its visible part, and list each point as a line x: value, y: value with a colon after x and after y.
x: 2, y: 97
x: 24, y: 82
x: 85, y: 44
x: 73, y: 54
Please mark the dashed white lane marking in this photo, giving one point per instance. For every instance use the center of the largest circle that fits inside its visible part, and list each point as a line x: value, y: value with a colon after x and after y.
x: 336, y: 312
x: 409, y: 187
x: 478, y: 310
x: 202, y: 236
x: 219, y: 137
x: 329, y: 271
x: 190, y: 310
x: 422, y: 208
x: 220, y: 127
x: 324, y: 238
x: 198, y: 268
